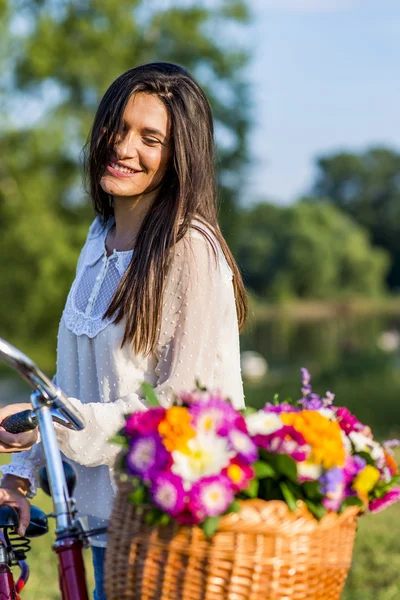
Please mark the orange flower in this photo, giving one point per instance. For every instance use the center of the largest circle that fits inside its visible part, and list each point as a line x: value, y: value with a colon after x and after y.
x: 321, y: 434
x: 175, y: 429
x: 391, y: 463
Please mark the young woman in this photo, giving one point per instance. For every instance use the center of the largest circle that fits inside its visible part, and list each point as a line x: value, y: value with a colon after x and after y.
x: 157, y: 295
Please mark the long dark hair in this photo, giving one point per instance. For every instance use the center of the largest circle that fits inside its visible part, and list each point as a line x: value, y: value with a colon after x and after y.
x: 187, y: 192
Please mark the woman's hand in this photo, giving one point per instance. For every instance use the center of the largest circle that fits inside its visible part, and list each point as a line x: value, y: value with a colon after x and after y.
x: 16, y: 442
x: 13, y: 494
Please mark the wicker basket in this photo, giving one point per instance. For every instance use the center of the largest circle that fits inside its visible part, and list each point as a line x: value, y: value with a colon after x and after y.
x: 264, y: 552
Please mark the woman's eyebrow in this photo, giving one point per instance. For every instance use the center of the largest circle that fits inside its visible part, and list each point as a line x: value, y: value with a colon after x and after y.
x: 154, y: 132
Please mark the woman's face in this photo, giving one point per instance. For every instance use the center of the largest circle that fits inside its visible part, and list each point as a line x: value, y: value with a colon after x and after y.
x: 141, y: 152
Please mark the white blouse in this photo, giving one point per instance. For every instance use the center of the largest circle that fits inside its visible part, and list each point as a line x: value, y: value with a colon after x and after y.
x: 198, y: 340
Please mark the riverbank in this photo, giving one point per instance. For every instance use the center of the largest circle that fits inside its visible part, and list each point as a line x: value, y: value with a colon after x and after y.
x: 310, y: 310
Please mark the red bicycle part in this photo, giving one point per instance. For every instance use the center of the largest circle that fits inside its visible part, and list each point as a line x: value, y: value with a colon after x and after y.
x: 7, y: 586
x: 71, y: 569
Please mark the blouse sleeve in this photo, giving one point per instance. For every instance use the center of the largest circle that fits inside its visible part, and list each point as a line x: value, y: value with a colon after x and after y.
x: 27, y: 465
x: 197, y: 293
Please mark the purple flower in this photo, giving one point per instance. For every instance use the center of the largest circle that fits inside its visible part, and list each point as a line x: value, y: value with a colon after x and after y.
x: 332, y: 486
x: 147, y: 456
x: 311, y: 402
x: 285, y: 407
x: 328, y: 399
x: 243, y: 445
x: 306, y: 388
x: 390, y: 498
x: 330, y: 480
x: 211, y: 496
x: 389, y: 444
x: 305, y: 376
x: 168, y: 493
x: 353, y: 465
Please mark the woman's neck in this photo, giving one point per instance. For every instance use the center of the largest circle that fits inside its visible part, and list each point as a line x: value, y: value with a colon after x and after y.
x: 129, y: 215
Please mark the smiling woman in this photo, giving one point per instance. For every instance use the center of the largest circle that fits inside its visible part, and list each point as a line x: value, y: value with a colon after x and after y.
x: 157, y: 296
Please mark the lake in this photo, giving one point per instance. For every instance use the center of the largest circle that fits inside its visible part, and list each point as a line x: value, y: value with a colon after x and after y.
x: 357, y: 358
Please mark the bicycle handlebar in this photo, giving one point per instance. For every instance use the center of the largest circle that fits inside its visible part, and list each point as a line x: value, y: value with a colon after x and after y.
x: 62, y: 409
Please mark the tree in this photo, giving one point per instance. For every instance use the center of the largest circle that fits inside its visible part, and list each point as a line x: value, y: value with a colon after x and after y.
x: 57, y: 60
x: 308, y: 250
x: 367, y: 187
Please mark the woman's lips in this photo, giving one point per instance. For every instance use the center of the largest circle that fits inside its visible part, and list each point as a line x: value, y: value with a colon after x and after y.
x: 121, y: 174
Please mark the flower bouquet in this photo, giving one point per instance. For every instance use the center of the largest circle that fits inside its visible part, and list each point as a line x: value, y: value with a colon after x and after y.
x: 219, y: 503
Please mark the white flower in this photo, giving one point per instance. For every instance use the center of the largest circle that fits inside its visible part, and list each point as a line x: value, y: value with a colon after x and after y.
x: 360, y: 441
x: 263, y: 423
x: 208, y: 455
x: 346, y: 442
x: 326, y: 412
x: 308, y: 470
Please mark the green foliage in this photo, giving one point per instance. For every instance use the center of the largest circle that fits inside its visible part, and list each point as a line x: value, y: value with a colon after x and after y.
x: 149, y: 394
x: 367, y: 187
x: 308, y: 250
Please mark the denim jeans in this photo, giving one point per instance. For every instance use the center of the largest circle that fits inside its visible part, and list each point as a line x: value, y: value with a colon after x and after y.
x: 98, y: 566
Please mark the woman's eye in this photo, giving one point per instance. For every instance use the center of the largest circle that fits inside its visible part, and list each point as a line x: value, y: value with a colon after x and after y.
x: 151, y: 141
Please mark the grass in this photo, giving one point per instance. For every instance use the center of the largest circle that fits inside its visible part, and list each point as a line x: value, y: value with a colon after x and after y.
x: 42, y: 561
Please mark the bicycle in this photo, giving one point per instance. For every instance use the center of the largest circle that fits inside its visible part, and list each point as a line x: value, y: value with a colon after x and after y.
x: 57, y: 479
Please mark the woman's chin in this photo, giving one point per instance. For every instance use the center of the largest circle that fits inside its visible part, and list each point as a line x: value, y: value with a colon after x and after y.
x: 116, y: 188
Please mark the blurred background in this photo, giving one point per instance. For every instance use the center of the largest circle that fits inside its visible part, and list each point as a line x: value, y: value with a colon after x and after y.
x: 305, y: 95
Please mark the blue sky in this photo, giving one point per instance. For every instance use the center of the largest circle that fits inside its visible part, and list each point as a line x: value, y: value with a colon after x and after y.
x: 325, y: 76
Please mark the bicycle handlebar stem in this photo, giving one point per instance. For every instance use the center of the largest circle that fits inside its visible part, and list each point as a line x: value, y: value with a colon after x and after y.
x: 58, y: 487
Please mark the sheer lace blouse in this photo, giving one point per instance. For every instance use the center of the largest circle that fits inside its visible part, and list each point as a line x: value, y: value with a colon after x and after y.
x: 198, y: 339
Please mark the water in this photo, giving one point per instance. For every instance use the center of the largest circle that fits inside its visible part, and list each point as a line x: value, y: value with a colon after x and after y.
x: 358, y: 358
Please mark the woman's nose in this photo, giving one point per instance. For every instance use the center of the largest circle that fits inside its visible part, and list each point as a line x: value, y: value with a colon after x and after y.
x: 125, y: 146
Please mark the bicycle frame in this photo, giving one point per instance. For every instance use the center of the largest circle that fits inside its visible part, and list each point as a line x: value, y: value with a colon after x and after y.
x: 70, y: 536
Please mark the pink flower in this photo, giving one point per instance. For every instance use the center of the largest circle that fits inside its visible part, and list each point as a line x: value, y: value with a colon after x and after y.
x: 216, y: 415
x: 390, y: 498
x: 284, y: 441
x: 239, y: 474
x: 168, y: 493
x: 211, y: 496
x: 243, y: 445
x: 144, y: 422
x: 347, y: 421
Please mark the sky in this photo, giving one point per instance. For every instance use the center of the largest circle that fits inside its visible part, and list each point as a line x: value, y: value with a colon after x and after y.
x: 325, y: 77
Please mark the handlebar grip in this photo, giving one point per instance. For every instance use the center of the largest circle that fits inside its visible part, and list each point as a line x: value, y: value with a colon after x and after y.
x: 20, y: 422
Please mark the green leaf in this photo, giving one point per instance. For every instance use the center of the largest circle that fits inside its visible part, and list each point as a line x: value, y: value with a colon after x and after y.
x: 252, y: 490
x: 138, y: 495
x: 315, y: 508
x: 150, y: 395
x: 200, y: 387
x: 249, y: 410
x: 210, y: 525
x: 311, y: 489
x: 263, y: 470
x: 120, y: 440
x: 286, y: 466
x: 234, y: 507
x: 352, y: 501
x: 367, y: 457
x: 288, y: 495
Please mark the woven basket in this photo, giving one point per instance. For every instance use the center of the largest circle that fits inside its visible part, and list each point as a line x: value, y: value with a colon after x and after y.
x: 264, y: 552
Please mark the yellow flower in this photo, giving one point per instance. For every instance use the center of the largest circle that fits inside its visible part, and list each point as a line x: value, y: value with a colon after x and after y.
x: 321, y: 434
x: 365, y: 481
x: 175, y: 429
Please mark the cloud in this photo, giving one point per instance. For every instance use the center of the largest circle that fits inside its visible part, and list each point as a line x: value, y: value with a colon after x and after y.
x: 306, y: 6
